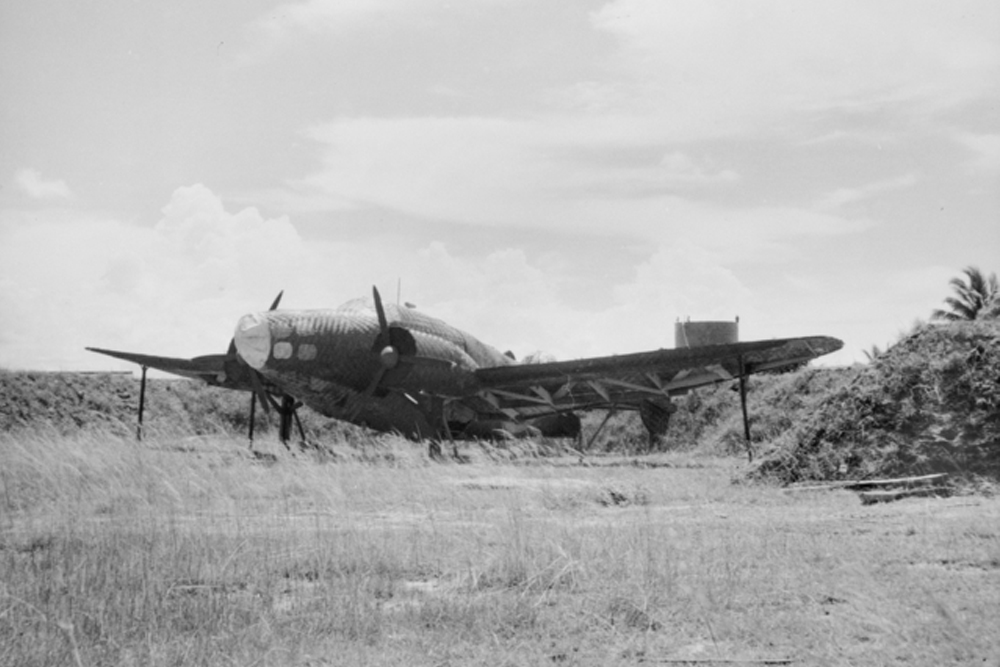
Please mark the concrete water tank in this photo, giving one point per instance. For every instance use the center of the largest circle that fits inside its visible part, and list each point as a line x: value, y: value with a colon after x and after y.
x: 696, y: 334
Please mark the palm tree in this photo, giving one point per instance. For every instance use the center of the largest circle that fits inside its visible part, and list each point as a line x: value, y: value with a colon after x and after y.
x: 992, y: 311
x: 979, y: 298
x: 874, y: 353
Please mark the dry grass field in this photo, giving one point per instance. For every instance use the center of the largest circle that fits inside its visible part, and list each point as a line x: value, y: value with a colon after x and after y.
x: 191, y: 552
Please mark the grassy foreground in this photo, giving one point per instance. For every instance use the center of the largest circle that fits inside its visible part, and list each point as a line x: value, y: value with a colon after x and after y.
x: 191, y: 552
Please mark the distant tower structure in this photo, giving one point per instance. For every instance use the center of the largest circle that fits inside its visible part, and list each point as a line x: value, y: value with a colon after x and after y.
x: 696, y: 334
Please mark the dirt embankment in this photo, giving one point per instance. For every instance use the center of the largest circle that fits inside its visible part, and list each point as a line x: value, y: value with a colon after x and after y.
x: 71, y: 402
x: 68, y: 402
x: 931, y: 403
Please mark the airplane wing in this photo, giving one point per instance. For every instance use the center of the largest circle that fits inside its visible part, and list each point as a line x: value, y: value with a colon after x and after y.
x: 218, y: 370
x: 210, y: 368
x: 624, y: 381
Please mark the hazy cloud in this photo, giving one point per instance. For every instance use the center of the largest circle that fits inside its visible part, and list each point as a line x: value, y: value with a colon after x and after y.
x: 30, y: 181
x: 175, y: 288
x: 541, y: 174
x: 986, y: 148
x: 760, y: 60
x: 845, y: 196
x: 280, y: 26
x: 679, y: 168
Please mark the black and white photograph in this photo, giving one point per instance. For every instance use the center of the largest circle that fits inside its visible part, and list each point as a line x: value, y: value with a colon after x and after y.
x: 499, y: 332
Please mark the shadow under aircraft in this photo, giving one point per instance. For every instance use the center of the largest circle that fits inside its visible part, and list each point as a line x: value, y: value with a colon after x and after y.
x: 393, y: 368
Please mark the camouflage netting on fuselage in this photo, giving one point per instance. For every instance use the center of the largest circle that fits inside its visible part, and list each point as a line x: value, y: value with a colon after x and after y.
x: 328, y: 359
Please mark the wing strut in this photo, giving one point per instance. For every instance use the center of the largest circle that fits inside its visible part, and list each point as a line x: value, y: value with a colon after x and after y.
x: 600, y: 428
x: 142, y: 403
x: 253, y: 414
x: 743, y: 406
x: 288, y: 412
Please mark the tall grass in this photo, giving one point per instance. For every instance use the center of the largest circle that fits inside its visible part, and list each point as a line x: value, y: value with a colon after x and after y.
x: 193, y: 551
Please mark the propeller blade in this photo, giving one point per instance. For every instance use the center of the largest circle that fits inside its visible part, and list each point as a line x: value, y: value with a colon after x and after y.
x: 373, y: 385
x: 354, y: 407
x: 383, y: 323
x: 395, y: 346
x: 388, y: 355
x: 277, y: 300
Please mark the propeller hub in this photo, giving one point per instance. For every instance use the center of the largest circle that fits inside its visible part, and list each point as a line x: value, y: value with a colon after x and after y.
x: 389, y: 357
x: 253, y: 339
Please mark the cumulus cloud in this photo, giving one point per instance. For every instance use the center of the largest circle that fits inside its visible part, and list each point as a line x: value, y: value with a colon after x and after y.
x: 178, y: 286
x: 30, y: 182
x: 175, y: 288
x: 212, y: 251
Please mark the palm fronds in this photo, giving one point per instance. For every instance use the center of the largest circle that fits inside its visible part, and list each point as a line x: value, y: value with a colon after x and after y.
x: 976, y: 298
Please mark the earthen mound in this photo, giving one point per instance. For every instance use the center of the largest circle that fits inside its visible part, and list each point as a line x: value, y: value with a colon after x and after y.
x: 931, y: 403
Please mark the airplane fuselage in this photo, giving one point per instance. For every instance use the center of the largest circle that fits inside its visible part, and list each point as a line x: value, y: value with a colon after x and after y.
x: 334, y: 361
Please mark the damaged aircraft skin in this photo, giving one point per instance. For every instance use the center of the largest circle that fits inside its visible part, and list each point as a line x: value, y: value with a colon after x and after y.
x: 395, y: 369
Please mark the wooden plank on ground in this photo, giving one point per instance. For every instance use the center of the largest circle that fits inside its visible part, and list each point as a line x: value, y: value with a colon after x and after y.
x: 854, y: 484
x: 872, y: 497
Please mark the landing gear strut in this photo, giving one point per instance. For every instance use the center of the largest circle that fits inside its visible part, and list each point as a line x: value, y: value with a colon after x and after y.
x: 655, y: 417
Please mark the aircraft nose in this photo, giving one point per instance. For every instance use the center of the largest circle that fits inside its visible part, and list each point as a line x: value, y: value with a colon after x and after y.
x: 253, y: 339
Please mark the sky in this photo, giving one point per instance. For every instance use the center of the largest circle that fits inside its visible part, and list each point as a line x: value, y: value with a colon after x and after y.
x: 563, y: 176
